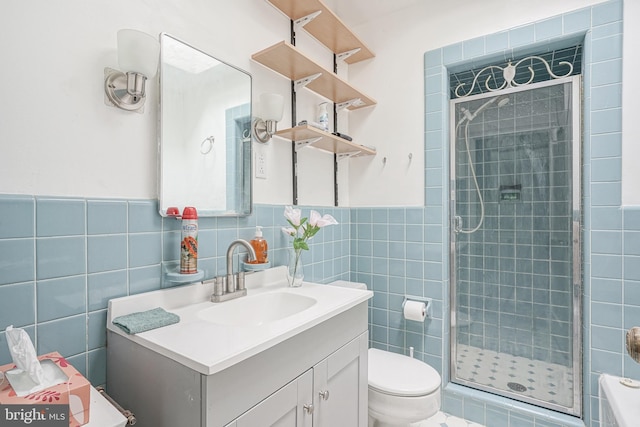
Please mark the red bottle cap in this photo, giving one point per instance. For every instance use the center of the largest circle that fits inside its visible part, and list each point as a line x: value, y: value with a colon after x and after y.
x: 189, y: 212
x: 173, y: 211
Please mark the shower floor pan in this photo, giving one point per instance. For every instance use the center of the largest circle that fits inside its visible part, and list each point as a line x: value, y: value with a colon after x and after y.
x: 533, y: 379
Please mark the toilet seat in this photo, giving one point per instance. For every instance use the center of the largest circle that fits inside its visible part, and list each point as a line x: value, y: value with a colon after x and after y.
x: 398, y: 375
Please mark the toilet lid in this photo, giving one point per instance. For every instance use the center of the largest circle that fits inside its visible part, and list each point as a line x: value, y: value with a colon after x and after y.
x: 400, y: 375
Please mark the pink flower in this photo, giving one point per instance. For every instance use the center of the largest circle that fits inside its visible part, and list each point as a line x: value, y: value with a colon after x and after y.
x: 293, y: 215
x: 289, y: 231
x: 302, y: 229
x: 317, y: 221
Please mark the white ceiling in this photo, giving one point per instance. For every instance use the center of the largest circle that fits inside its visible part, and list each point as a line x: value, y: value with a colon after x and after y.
x: 355, y: 12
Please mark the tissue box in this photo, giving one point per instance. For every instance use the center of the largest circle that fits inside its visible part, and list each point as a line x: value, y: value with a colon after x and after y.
x: 75, y: 391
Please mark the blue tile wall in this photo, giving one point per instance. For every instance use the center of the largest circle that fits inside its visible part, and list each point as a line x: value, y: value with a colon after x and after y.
x: 60, y: 217
x: 17, y: 304
x: 19, y: 260
x: 63, y: 259
x: 106, y: 217
x: 18, y: 217
x: 610, y: 261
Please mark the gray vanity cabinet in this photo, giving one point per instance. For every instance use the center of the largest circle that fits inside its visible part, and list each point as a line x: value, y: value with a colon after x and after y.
x: 331, y: 394
x: 324, y: 366
x: 287, y: 407
x: 341, y: 386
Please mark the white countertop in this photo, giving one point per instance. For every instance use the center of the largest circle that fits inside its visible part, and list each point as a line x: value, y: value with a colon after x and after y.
x: 209, y: 348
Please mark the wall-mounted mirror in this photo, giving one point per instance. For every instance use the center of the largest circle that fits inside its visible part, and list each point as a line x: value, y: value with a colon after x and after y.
x: 204, y: 131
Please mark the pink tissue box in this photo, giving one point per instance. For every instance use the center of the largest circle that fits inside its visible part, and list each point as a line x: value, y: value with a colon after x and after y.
x: 75, y: 391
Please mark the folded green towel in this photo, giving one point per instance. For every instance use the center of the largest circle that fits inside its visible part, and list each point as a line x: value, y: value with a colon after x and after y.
x: 145, y: 320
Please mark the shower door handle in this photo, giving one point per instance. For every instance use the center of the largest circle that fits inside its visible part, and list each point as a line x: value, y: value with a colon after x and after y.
x: 457, y: 223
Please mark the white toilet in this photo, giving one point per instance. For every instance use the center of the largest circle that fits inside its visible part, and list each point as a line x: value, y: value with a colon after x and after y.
x: 402, y: 390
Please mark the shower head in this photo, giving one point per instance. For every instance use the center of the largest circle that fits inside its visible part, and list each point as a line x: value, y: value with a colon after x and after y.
x: 501, y: 101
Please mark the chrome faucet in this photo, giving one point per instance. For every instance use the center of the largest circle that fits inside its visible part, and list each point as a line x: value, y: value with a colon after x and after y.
x: 231, y: 282
x: 234, y: 286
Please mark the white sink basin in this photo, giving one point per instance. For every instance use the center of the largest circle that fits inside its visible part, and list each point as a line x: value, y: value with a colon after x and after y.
x: 256, y: 310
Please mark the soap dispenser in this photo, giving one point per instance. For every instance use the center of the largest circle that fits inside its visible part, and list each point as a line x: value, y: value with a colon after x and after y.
x: 259, y: 245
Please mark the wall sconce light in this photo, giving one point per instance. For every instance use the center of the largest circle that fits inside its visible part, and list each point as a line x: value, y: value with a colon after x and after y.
x: 138, y: 55
x: 272, y: 107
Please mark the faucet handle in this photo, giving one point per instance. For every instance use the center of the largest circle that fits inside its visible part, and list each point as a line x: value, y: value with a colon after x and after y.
x: 231, y: 283
x: 218, y: 286
x: 240, y: 284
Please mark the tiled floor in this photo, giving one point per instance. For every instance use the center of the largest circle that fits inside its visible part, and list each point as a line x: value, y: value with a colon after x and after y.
x: 443, y: 420
x: 532, y: 378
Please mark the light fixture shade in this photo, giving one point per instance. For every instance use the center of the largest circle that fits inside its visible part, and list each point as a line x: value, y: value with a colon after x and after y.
x: 272, y: 106
x: 138, y: 52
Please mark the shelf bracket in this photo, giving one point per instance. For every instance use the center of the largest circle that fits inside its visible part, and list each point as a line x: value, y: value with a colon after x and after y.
x: 301, y: 22
x: 305, y: 142
x: 356, y: 102
x: 300, y: 83
x: 344, y: 55
x: 342, y: 156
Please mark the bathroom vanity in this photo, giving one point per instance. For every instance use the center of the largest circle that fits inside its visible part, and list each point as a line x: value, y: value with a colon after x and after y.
x: 279, y: 356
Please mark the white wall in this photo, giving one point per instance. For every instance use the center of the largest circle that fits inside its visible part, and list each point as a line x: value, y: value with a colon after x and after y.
x: 630, y: 105
x: 396, y: 125
x: 58, y: 138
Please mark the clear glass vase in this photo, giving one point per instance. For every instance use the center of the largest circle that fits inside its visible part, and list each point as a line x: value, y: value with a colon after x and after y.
x: 295, y: 271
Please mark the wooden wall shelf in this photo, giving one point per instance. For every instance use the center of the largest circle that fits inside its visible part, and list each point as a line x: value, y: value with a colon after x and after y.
x: 327, y: 27
x: 285, y: 59
x: 328, y: 142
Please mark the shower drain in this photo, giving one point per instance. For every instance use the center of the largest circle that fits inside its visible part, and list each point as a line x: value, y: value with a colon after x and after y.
x: 517, y: 387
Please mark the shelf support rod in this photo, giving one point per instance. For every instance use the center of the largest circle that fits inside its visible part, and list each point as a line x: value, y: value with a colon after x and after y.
x: 305, y: 142
x: 294, y: 153
x: 349, y: 154
x: 300, y: 83
x: 344, y: 55
x: 336, y: 158
x: 355, y: 102
x: 335, y: 129
x: 301, y: 22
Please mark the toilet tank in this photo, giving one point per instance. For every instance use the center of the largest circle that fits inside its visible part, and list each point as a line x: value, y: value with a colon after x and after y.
x: 348, y: 284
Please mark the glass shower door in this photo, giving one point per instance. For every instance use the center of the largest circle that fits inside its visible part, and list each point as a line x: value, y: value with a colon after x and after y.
x: 515, y: 243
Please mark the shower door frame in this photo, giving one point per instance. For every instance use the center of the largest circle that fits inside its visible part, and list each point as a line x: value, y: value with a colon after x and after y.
x: 576, y: 210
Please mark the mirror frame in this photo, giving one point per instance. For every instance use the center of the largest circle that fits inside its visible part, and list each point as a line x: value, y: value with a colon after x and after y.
x: 243, y: 207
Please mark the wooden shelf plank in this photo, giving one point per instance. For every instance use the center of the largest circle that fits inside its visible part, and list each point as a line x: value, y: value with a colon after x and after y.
x: 327, y: 27
x: 285, y: 59
x: 328, y: 141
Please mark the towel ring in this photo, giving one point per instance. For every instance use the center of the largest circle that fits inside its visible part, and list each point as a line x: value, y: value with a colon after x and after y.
x: 207, y: 145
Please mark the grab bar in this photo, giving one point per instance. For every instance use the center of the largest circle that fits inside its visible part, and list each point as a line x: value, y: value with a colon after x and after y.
x: 131, y: 418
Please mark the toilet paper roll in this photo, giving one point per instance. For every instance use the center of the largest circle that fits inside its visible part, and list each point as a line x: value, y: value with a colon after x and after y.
x: 415, y: 310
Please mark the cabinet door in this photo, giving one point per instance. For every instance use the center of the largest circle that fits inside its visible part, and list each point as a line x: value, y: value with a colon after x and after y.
x: 340, y: 387
x: 284, y: 408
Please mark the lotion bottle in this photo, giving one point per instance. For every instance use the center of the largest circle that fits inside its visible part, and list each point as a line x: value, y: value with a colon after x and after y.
x: 259, y: 245
x: 323, y: 116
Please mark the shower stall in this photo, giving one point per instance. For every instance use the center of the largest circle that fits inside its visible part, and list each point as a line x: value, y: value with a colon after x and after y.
x: 515, y: 257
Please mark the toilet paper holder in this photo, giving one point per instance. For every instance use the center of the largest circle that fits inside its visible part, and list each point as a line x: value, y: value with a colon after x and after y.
x: 427, y: 302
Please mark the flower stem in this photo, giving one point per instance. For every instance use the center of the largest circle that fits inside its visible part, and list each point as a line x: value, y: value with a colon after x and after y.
x: 293, y: 270
x: 295, y: 266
